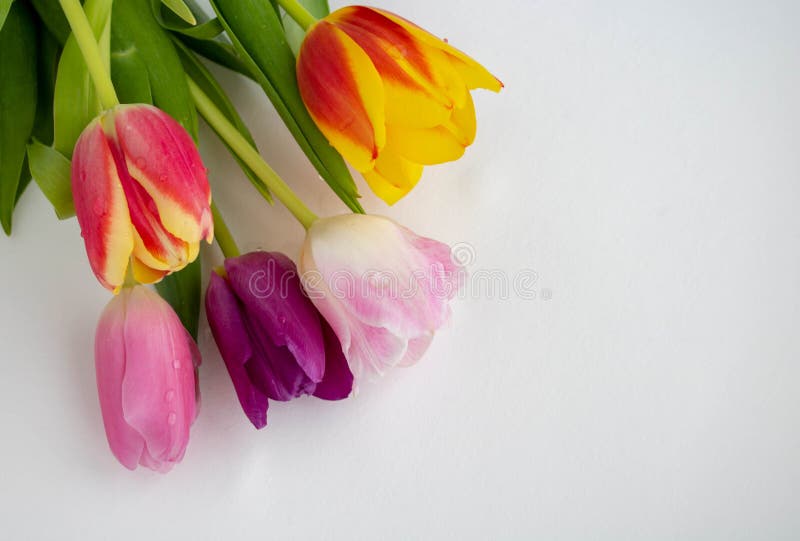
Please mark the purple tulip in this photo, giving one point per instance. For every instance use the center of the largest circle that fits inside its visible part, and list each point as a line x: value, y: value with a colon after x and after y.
x: 272, y: 339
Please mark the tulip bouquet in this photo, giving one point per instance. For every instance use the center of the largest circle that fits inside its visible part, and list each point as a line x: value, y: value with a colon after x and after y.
x: 99, y: 103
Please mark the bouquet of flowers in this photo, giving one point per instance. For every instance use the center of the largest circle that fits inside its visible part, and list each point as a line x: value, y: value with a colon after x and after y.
x: 99, y: 105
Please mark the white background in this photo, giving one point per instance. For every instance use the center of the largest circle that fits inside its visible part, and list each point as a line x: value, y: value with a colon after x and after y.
x: 643, y: 161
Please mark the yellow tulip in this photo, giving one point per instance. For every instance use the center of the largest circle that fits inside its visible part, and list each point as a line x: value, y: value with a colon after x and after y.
x: 389, y: 96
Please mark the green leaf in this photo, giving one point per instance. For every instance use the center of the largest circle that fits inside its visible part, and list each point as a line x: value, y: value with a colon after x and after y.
x: 51, y: 171
x: 206, y: 38
x: 182, y: 291
x: 47, y: 65
x: 203, y: 28
x: 5, y: 6
x: 75, y: 103
x: 130, y: 67
x: 146, y: 68
x: 24, y: 180
x: 134, y: 28
x: 255, y: 28
x: 181, y: 10
x: 200, y: 75
x: 17, y: 103
x: 53, y: 18
x: 218, y: 51
x: 294, y: 33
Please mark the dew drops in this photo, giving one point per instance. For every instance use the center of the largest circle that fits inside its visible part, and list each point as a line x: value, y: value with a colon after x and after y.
x: 172, y: 418
x: 176, y: 364
x: 141, y: 163
x: 169, y: 396
x: 282, y: 319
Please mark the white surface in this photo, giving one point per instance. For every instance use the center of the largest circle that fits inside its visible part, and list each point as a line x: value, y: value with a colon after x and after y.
x: 643, y: 161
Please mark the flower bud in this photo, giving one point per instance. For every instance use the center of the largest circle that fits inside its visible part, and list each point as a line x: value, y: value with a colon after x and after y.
x: 384, y: 290
x: 141, y: 195
x: 389, y: 96
x: 272, y: 339
x: 146, y: 379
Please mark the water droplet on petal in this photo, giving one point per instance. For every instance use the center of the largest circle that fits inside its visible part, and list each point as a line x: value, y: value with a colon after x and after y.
x: 97, y: 206
x: 282, y: 319
x: 169, y: 395
x: 176, y: 364
x: 141, y: 163
x: 172, y: 418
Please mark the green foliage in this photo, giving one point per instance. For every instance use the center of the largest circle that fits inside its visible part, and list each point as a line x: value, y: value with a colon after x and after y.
x: 17, y: 103
x: 203, y: 78
x: 294, y: 33
x: 257, y: 33
x: 50, y: 13
x: 179, y: 8
x: 75, y: 103
x: 51, y: 171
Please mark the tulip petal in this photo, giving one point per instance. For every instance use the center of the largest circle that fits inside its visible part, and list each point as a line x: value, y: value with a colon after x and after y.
x: 472, y: 73
x: 162, y: 157
x: 145, y: 274
x: 463, y: 124
x: 148, y: 461
x: 268, y: 286
x: 126, y: 443
x: 101, y: 207
x: 393, y: 176
x: 447, y: 275
x: 395, y: 279
x: 366, y: 348
x: 343, y: 93
x: 338, y: 381
x: 159, y: 385
x: 414, y: 89
x: 407, y: 106
x: 426, y: 146
x: 228, y: 327
x: 273, y: 368
x: 153, y: 244
x: 416, y: 349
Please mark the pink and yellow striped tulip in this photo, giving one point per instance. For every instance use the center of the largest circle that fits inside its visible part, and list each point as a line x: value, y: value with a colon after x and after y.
x: 141, y: 195
x: 389, y: 96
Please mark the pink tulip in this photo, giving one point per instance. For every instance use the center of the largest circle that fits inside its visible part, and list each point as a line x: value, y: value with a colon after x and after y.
x: 383, y: 289
x: 141, y: 195
x: 146, y: 379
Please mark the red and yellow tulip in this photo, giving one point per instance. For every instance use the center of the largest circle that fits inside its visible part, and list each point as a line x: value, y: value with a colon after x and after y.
x: 141, y: 195
x: 389, y: 96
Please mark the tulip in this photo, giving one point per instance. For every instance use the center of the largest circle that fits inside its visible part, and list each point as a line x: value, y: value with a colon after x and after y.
x: 389, y: 96
x: 383, y: 289
x: 272, y: 339
x: 146, y: 379
x: 141, y: 195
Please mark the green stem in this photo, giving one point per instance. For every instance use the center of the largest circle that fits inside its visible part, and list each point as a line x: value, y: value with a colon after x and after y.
x: 91, y: 52
x: 228, y: 133
x: 297, y: 12
x: 223, y: 235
